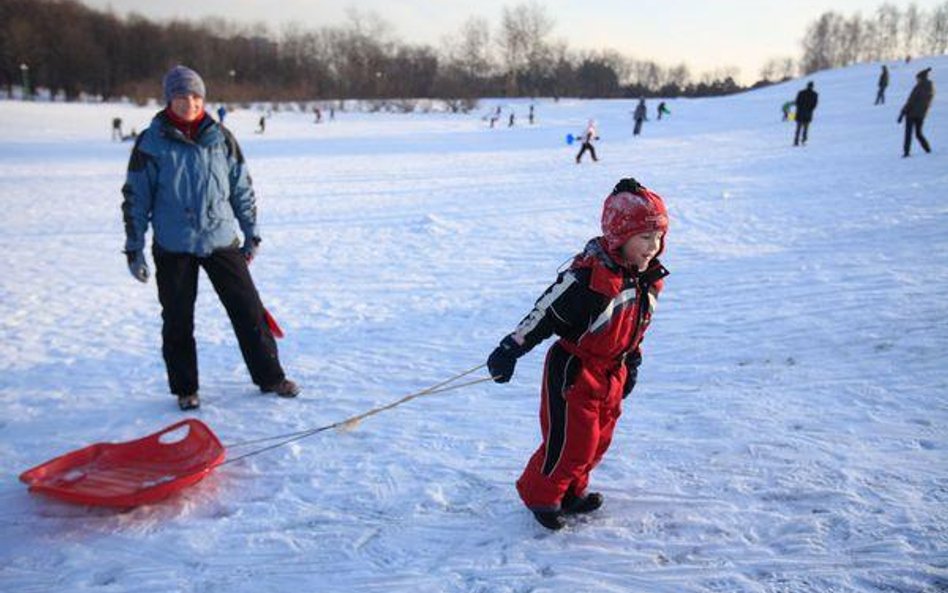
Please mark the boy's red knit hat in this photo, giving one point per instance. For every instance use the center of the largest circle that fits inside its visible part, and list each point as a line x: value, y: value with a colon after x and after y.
x: 629, y: 210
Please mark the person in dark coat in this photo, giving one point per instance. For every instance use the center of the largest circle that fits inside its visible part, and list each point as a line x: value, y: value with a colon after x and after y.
x: 883, y: 83
x: 915, y: 110
x: 806, y: 105
x: 640, y: 115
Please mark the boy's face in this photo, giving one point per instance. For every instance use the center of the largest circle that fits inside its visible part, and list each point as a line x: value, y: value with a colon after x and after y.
x: 188, y: 107
x: 641, y: 248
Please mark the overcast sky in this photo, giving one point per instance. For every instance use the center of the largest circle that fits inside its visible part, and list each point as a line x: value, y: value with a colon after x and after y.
x: 705, y: 34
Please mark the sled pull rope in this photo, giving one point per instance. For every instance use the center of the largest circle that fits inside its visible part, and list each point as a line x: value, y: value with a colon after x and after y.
x: 349, y: 423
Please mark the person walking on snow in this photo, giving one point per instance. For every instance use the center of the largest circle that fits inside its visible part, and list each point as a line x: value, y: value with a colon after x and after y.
x: 588, y: 136
x: 188, y: 180
x: 221, y: 114
x: 915, y: 110
x: 640, y: 114
x: 117, y: 129
x: 662, y: 110
x: 599, y: 308
x: 883, y: 84
x: 806, y: 104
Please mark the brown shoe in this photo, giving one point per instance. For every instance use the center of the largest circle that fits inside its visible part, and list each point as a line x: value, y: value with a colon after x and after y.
x: 189, y: 402
x: 284, y: 388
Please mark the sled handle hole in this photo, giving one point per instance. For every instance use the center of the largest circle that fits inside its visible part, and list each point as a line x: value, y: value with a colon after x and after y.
x: 73, y: 475
x: 175, y: 436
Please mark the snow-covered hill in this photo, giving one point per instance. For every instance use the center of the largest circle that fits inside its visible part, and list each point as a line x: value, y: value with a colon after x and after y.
x: 788, y: 433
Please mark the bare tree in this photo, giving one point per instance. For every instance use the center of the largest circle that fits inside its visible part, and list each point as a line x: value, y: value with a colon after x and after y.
x: 778, y: 69
x: 852, y: 43
x: 911, y: 27
x: 888, y: 25
x: 936, y: 41
x: 523, y: 41
x: 469, y: 49
x: 821, y: 44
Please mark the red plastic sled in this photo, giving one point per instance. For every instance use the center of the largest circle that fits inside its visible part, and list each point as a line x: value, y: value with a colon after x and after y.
x: 132, y: 473
x: 272, y: 324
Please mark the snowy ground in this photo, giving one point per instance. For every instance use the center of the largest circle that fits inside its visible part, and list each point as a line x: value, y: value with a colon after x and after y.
x: 790, y: 428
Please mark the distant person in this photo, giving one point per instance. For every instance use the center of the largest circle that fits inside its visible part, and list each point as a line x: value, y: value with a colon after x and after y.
x: 116, y: 128
x: 588, y: 136
x: 221, y: 113
x: 332, y: 114
x: 494, y: 117
x: 530, y: 116
x: 786, y: 109
x: 640, y: 114
x: 262, y: 124
x: 883, y: 84
x: 318, y: 114
x: 915, y: 110
x: 188, y: 181
x: 662, y: 110
x: 510, y: 121
x: 806, y: 105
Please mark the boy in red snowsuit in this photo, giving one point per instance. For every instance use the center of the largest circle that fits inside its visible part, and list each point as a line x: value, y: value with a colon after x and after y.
x: 600, y: 308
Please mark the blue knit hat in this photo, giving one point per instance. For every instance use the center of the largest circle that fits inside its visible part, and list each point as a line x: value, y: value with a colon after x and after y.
x: 181, y: 80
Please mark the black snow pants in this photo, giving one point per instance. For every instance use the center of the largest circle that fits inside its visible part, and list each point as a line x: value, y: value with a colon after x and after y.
x: 586, y: 146
x: 177, y: 277
x: 804, y: 127
x: 916, y: 123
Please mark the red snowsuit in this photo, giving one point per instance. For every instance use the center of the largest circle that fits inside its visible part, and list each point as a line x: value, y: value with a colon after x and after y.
x: 600, y: 311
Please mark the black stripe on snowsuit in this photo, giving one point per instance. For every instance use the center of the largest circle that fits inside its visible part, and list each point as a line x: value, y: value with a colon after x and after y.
x: 561, y: 371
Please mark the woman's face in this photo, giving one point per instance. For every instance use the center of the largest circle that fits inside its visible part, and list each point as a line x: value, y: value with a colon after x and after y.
x: 641, y: 248
x: 187, y: 107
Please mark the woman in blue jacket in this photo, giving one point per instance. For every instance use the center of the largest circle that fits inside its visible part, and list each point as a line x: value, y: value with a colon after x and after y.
x: 187, y: 178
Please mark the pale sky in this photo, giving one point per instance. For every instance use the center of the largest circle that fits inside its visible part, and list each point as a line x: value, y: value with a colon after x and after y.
x: 704, y: 34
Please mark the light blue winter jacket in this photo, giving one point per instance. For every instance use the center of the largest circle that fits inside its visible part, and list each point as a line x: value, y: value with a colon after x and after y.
x: 190, y: 191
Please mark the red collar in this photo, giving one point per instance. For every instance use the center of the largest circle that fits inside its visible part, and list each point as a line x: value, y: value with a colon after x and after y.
x: 189, y: 129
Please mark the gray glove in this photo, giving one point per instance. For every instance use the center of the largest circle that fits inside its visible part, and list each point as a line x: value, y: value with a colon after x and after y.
x: 251, y: 245
x: 137, y: 266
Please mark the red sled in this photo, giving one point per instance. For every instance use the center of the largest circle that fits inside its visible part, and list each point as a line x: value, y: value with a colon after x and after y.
x: 272, y: 324
x: 133, y: 473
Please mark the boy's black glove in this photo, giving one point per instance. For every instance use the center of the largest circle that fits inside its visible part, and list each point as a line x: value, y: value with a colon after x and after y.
x: 632, y: 362
x: 503, y: 359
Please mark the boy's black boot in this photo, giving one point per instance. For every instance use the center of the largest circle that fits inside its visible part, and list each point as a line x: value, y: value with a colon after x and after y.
x: 574, y: 505
x: 552, y: 520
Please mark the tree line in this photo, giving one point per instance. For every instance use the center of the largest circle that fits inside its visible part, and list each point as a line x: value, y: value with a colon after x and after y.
x: 834, y: 40
x: 71, y: 49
